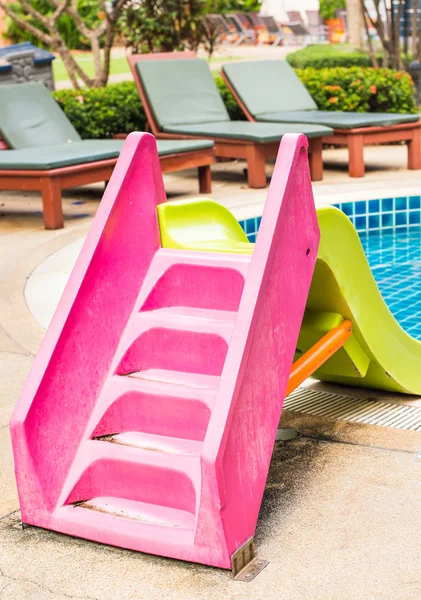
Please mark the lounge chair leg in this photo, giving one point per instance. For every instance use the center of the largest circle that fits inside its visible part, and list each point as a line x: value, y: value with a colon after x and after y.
x: 256, y: 166
x: 414, y: 150
x: 356, y: 166
x: 315, y: 159
x: 51, y: 201
x: 205, y: 179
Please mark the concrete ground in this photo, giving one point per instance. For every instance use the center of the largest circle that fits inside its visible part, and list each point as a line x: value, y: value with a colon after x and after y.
x: 341, y: 513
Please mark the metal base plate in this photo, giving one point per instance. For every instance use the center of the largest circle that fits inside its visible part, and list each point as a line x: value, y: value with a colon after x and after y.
x: 245, y: 564
x: 21, y: 525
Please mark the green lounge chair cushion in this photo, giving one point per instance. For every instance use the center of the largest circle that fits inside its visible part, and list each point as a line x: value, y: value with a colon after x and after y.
x: 272, y: 92
x: 268, y: 86
x: 30, y: 117
x: 64, y: 155
x: 260, y: 133
x: 181, y: 91
x: 339, y: 120
x: 166, y: 147
x: 60, y: 155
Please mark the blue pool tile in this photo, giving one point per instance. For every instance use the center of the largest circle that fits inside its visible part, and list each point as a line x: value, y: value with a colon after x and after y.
x: 258, y: 221
x: 250, y: 226
x: 347, y: 208
x: 400, y: 203
x: 387, y: 204
x: 374, y: 221
x: 252, y: 238
x: 400, y: 218
x: 360, y: 207
x: 374, y: 206
x: 414, y: 202
x: 415, y: 217
x: 361, y: 223
x: 387, y: 220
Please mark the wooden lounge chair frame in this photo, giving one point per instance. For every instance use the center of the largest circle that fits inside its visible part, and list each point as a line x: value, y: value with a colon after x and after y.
x: 51, y: 182
x: 254, y: 153
x: 246, y: 29
x: 224, y: 32
x: 317, y: 29
x: 356, y: 139
x: 273, y: 30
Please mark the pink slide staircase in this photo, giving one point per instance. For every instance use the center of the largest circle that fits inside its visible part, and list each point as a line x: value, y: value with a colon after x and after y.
x: 150, y: 414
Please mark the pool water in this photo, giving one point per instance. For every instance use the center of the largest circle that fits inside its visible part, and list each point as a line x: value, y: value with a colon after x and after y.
x: 395, y: 260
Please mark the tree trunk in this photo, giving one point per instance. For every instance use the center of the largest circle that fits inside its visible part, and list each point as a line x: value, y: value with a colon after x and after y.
x: 53, y: 38
x: 414, y: 29
x: 74, y: 70
x: 355, y: 21
x: 96, y: 55
x: 371, y: 52
x: 108, y: 44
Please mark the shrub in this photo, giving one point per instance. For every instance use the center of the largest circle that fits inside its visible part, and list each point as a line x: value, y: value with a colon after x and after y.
x: 319, y: 56
x: 102, y: 112
x: 161, y: 25
x: 230, y: 102
x: 328, y: 8
x: 360, y: 89
x: 88, y: 9
x: 229, y: 6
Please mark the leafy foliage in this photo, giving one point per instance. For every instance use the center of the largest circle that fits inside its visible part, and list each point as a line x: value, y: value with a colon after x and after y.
x: 230, y: 102
x: 328, y: 8
x: 227, y: 6
x: 167, y: 25
x: 319, y: 56
x: 162, y: 25
x: 88, y: 10
x: 360, y: 89
x: 103, y: 112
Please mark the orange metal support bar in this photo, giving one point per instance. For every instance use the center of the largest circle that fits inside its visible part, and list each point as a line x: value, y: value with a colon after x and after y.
x: 318, y: 354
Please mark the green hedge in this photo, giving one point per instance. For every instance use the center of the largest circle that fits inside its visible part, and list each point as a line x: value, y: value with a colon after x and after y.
x: 100, y: 113
x: 319, y: 56
x: 230, y: 102
x: 360, y: 89
x: 328, y: 8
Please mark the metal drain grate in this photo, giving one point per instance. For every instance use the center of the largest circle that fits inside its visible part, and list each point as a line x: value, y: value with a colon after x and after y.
x: 354, y: 410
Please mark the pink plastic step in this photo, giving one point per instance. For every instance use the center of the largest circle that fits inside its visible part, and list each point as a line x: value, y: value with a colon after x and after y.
x: 112, y: 470
x: 178, y: 378
x: 148, y: 514
x: 157, y: 443
x: 162, y: 402
x: 149, y: 416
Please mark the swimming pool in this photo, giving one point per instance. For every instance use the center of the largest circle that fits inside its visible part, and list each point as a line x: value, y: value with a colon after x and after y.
x: 395, y: 260
x: 390, y: 232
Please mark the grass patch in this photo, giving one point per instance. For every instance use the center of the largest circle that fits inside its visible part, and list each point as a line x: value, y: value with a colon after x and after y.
x: 119, y: 65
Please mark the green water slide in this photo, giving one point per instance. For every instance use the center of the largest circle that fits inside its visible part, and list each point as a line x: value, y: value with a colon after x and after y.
x: 379, y: 354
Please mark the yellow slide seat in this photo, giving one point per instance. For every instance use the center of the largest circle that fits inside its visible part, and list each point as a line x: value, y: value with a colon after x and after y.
x: 201, y: 225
